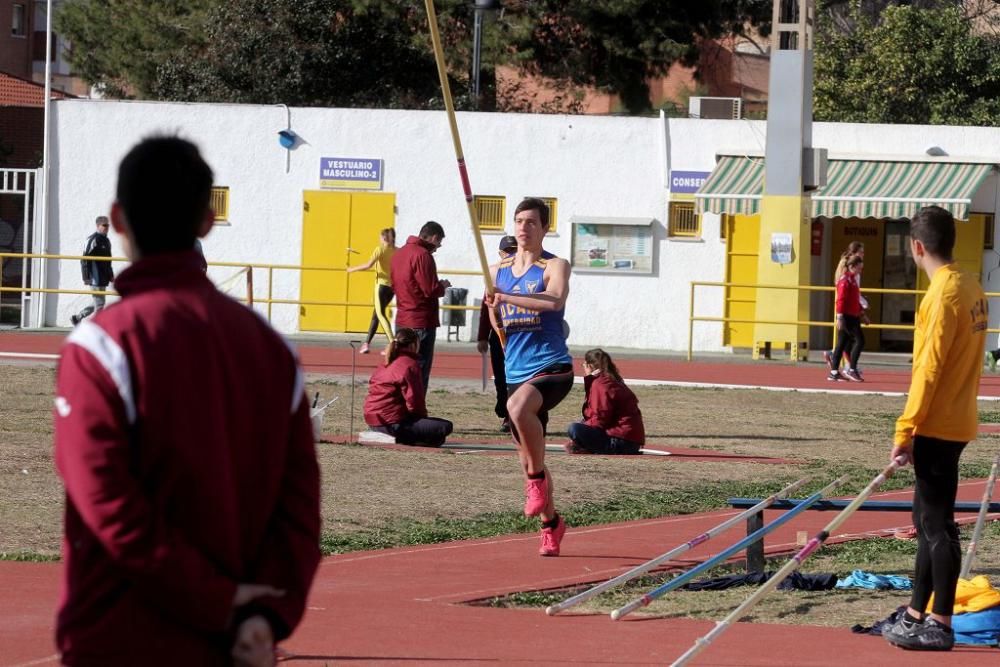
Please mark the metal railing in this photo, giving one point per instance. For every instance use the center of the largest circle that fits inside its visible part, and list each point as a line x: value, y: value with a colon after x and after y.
x: 245, y: 268
x: 692, y: 318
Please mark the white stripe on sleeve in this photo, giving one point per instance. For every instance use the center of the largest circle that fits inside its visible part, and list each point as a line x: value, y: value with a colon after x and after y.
x: 110, y: 355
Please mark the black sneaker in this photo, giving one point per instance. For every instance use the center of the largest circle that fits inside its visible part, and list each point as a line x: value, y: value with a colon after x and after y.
x: 505, y: 426
x: 834, y: 376
x: 901, y: 626
x: 927, y: 636
x: 75, y: 319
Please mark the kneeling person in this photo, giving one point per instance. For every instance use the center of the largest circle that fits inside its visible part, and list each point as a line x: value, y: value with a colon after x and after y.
x: 395, y: 401
x: 612, y: 422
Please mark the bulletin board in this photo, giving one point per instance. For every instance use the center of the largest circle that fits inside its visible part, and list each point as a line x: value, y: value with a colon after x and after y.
x: 613, y: 245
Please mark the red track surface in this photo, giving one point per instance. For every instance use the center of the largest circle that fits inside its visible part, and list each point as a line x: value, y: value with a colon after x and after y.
x: 405, y: 606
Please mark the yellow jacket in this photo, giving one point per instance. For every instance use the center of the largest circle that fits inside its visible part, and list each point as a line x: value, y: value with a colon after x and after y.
x: 974, y: 594
x: 948, y: 349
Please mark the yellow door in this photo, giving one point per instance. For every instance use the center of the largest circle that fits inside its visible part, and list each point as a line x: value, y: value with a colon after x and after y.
x: 326, y: 220
x: 742, y: 232
x: 371, y: 212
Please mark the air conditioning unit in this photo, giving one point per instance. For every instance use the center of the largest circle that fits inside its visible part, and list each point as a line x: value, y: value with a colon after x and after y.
x: 729, y: 108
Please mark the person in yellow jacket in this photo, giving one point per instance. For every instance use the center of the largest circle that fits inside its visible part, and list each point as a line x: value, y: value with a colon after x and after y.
x: 381, y: 259
x: 939, y: 419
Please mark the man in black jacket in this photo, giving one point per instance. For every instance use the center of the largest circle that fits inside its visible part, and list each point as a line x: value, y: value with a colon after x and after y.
x: 98, y: 274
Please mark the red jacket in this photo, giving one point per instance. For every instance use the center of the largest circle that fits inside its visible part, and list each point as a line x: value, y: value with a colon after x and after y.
x: 849, y: 296
x: 183, y: 437
x: 415, y: 280
x: 396, y: 392
x: 612, y: 406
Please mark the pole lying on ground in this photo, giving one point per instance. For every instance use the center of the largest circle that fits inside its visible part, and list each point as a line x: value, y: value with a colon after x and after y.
x: 815, y: 543
x: 682, y: 579
x: 970, y: 552
x: 463, y: 173
x: 673, y: 553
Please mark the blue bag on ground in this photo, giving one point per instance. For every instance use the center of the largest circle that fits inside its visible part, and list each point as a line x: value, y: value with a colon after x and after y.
x: 977, y: 627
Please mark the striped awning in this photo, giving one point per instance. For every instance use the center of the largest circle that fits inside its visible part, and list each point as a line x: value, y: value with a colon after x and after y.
x: 735, y: 186
x: 854, y: 189
x: 870, y: 189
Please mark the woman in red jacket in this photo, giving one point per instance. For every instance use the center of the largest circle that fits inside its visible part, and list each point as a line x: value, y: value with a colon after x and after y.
x: 612, y: 422
x: 849, y: 316
x: 395, y: 401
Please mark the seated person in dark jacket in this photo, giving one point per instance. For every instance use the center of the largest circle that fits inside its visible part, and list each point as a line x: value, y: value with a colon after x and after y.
x: 395, y: 401
x: 612, y: 422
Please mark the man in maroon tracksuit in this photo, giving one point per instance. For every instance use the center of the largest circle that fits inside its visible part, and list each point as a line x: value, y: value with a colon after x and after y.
x: 183, y: 437
x: 415, y: 279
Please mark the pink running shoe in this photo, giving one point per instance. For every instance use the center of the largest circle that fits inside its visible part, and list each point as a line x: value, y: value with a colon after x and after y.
x: 552, y: 538
x: 364, y: 349
x: 536, y: 492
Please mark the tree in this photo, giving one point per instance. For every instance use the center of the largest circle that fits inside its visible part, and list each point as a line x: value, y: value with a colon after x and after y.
x: 617, y: 45
x: 118, y: 45
x: 907, y: 65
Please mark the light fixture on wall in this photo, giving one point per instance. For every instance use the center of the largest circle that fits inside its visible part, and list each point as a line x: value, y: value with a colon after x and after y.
x: 935, y: 151
x: 287, y: 138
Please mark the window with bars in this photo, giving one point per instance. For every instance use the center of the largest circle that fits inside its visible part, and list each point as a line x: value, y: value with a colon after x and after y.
x: 491, y: 210
x: 683, y: 221
x: 219, y: 202
x: 553, y: 205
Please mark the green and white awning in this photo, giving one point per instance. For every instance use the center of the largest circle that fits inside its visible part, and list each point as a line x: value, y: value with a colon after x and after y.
x: 735, y: 186
x: 854, y: 189
x: 869, y: 189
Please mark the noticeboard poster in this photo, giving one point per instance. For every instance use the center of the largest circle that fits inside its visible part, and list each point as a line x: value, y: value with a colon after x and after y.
x: 601, y: 245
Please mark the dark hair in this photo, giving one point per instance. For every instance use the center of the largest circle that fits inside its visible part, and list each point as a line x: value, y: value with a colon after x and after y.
x: 101, y: 220
x: 164, y: 187
x: 404, y: 338
x: 387, y: 233
x: 430, y: 229
x: 934, y: 227
x: 853, y: 248
x: 534, y: 204
x: 598, y: 358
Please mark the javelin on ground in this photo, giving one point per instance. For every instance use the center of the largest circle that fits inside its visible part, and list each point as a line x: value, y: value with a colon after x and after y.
x: 459, y: 155
x: 815, y: 543
x: 759, y: 534
x: 673, y: 553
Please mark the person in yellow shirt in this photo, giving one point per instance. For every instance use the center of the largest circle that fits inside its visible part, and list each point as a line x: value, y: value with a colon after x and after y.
x: 939, y: 419
x: 381, y: 259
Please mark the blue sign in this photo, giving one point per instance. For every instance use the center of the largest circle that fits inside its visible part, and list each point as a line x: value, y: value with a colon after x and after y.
x: 687, y: 181
x: 350, y: 173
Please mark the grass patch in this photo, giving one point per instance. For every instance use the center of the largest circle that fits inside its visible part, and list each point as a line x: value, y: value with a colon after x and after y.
x: 29, y: 557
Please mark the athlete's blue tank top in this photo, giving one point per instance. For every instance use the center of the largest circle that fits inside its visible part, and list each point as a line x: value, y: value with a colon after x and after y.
x: 534, y: 339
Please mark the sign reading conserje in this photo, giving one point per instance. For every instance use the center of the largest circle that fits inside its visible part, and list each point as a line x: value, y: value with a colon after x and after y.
x: 687, y: 181
x: 351, y: 173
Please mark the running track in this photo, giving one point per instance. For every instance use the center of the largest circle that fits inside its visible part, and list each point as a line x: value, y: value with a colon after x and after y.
x: 406, y: 606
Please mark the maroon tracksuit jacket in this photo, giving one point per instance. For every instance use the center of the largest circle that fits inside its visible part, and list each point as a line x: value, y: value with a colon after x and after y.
x: 612, y: 406
x: 183, y: 437
x: 415, y: 279
x: 396, y: 392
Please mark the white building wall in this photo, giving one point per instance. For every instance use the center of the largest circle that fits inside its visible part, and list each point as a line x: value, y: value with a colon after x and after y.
x: 606, y: 166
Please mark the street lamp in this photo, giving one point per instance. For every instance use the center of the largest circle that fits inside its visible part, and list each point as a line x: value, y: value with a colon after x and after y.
x: 481, y: 7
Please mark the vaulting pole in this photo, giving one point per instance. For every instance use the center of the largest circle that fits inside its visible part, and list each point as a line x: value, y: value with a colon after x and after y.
x: 720, y: 557
x: 970, y: 553
x: 673, y: 553
x: 815, y: 543
x: 459, y: 155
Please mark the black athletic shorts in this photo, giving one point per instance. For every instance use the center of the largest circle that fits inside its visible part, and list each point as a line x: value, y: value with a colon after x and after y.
x: 553, y: 383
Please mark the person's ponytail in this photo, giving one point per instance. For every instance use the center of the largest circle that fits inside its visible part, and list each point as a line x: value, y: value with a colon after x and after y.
x: 404, y: 338
x: 601, y: 360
